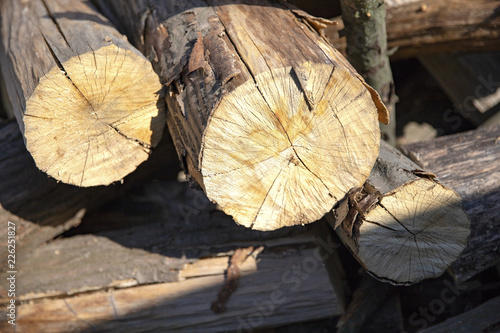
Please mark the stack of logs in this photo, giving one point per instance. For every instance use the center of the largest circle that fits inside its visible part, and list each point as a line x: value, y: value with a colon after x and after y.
x: 267, y: 118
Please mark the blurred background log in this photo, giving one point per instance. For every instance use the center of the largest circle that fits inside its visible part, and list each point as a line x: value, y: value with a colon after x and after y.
x: 471, y: 81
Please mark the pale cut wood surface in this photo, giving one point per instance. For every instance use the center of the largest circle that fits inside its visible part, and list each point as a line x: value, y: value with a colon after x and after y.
x: 468, y: 163
x: 88, y: 103
x: 408, y: 226
x: 422, y: 27
x: 273, y: 132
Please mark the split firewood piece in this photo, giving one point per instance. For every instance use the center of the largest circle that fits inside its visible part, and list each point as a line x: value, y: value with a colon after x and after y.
x: 403, y: 225
x: 269, y: 120
x: 86, y: 101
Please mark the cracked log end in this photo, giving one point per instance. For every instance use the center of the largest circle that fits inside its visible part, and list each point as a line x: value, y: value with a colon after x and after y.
x: 415, y: 232
x: 93, y: 121
x: 282, y: 152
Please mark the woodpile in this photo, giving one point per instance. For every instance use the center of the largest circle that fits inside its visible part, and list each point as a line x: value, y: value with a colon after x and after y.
x: 206, y: 224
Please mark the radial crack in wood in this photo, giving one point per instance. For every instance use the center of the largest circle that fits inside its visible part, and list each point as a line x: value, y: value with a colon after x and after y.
x: 87, y: 102
x: 414, y: 229
x: 278, y: 161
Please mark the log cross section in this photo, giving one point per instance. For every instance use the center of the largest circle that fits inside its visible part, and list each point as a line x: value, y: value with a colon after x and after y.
x: 269, y: 119
x: 87, y: 102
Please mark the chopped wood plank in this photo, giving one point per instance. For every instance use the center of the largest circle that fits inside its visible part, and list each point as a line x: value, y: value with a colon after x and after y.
x: 483, y: 318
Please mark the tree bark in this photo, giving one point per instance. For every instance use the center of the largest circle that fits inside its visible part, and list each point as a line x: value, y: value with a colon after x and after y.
x: 468, y: 162
x: 268, y: 119
x: 433, y: 26
x: 404, y: 225
x: 86, y: 101
x: 367, y: 52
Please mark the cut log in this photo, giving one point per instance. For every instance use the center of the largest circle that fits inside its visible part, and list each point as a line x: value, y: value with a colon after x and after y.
x: 86, y: 101
x: 269, y: 120
x: 416, y: 27
x: 404, y: 225
x: 263, y: 300
x: 366, y: 35
x: 468, y: 162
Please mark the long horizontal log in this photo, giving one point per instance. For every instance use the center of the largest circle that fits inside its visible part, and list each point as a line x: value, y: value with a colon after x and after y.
x: 87, y: 102
x: 418, y: 27
x: 263, y: 300
x: 269, y: 120
x: 468, y: 162
x: 404, y: 225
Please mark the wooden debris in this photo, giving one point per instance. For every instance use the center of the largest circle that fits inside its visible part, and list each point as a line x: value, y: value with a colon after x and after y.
x: 88, y: 103
x: 250, y: 114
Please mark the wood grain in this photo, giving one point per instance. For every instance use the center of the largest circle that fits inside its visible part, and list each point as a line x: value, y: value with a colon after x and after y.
x: 88, y: 103
x: 273, y: 132
x: 468, y: 163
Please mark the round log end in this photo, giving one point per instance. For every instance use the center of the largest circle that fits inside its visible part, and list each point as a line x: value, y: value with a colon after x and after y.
x: 415, y: 233
x: 282, y: 150
x: 94, y: 120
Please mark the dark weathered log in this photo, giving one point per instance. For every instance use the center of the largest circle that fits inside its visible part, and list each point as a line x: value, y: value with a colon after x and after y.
x: 483, y: 318
x: 434, y: 26
x: 274, y: 132
x: 468, y: 163
x: 185, y: 259
x: 263, y: 299
x: 404, y: 225
x: 88, y: 103
x: 367, y: 52
x: 471, y: 81
x: 30, y: 194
